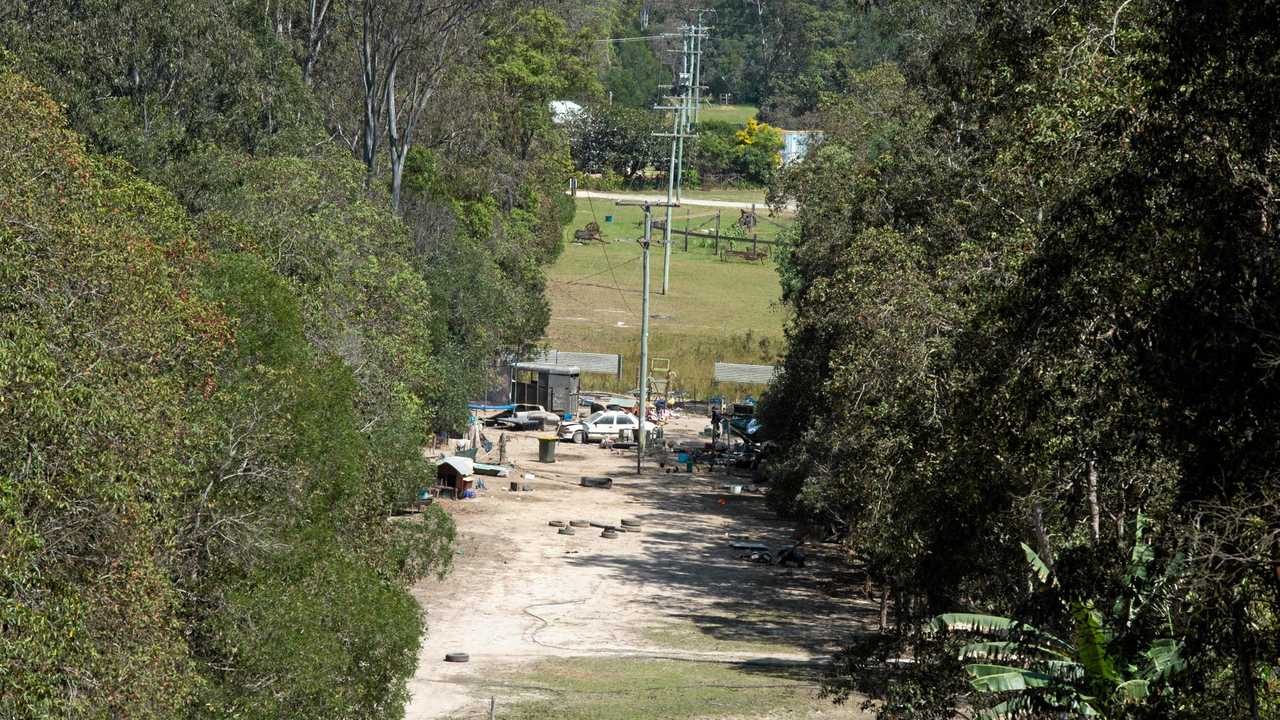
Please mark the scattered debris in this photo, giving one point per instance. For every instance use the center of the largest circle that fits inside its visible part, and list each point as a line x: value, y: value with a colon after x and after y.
x: 590, y: 233
x: 609, y: 533
x: 491, y: 470
x: 580, y: 523
x: 566, y: 531
x: 556, y: 523
x: 457, y: 657
x: 604, y: 483
x: 793, y: 555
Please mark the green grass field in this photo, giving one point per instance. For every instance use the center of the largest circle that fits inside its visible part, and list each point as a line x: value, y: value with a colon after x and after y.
x: 716, y: 309
x: 659, y: 689
x: 736, y: 114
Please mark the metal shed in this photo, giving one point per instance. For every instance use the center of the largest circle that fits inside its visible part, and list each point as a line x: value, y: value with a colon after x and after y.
x: 744, y: 374
x: 554, y: 387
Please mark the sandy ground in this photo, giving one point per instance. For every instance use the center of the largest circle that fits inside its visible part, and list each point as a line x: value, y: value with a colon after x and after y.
x: 520, y: 592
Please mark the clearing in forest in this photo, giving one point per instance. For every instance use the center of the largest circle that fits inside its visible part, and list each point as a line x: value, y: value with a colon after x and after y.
x: 717, y: 309
x: 668, y: 622
x: 734, y: 114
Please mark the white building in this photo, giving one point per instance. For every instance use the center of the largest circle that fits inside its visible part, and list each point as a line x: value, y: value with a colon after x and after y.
x: 797, y: 143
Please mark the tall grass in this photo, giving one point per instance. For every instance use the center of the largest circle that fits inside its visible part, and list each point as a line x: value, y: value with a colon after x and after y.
x: 692, y: 361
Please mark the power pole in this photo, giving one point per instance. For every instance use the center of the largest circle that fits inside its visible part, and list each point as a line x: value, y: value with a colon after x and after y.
x: 701, y: 34
x: 681, y: 100
x: 644, y: 322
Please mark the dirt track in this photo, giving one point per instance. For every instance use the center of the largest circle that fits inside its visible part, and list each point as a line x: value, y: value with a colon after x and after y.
x: 520, y: 592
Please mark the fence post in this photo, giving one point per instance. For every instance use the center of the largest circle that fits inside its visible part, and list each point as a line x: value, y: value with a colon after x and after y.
x: 715, y: 248
x: 686, y: 230
x: 493, y: 706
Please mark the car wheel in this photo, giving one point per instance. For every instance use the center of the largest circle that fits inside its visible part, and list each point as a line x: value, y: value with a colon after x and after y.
x: 580, y: 437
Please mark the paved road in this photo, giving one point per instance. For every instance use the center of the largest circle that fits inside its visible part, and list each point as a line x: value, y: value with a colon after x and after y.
x: 695, y: 202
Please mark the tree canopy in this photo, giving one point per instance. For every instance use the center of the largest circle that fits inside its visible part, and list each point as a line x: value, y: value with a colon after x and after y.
x: 1034, y: 290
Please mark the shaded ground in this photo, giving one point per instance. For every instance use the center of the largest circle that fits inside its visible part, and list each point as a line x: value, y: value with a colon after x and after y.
x: 529, y: 604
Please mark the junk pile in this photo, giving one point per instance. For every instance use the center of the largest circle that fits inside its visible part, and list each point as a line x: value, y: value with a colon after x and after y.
x: 607, y: 531
x: 790, y: 555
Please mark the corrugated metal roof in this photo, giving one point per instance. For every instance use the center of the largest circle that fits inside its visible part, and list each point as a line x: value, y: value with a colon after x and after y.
x: 548, y: 368
x: 602, y: 363
x: 745, y: 374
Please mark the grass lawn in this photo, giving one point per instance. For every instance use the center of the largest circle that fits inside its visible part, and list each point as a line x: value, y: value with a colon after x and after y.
x: 755, y: 195
x: 627, y: 219
x: 686, y: 635
x: 716, y: 310
x: 656, y: 689
x: 736, y: 114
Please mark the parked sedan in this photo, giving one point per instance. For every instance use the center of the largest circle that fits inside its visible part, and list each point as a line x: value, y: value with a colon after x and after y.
x: 600, y: 425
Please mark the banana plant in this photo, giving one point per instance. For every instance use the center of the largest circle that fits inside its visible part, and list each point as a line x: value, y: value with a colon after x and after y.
x: 1033, y: 671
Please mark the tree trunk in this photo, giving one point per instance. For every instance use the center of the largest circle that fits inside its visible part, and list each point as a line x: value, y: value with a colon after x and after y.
x: 396, y: 146
x: 372, y: 98
x: 398, y: 156
x: 1244, y: 659
x: 316, y: 32
x: 1095, y: 515
x: 1043, y: 549
x: 884, y: 607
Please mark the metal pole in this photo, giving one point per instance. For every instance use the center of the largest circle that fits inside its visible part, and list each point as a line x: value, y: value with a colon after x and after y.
x: 686, y: 78
x: 644, y: 332
x: 697, y: 71
x: 677, y: 147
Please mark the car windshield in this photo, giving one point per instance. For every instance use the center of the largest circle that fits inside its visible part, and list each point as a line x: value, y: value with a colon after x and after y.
x: 595, y: 416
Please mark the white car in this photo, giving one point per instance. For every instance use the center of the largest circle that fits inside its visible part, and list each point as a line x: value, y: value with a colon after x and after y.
x: 607, y: 423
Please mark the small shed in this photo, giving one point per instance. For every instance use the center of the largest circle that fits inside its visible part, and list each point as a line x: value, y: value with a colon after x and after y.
x: 455, y: 473
x: 554, y: 387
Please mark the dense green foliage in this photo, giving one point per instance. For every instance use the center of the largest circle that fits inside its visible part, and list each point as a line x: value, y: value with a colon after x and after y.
x: 1035, y: 290
x: 222, y: 351
x: 779, y: 55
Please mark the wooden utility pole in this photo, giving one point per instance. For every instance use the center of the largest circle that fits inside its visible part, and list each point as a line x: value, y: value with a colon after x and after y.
x: 644, y: 320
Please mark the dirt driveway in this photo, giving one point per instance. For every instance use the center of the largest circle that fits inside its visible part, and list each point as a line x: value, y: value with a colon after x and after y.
x: 520, y: 592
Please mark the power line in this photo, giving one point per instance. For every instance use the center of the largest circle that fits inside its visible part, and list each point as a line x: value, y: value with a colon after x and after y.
x: 607, y: 263
x: 637, y: 38
x: 681, y: 99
